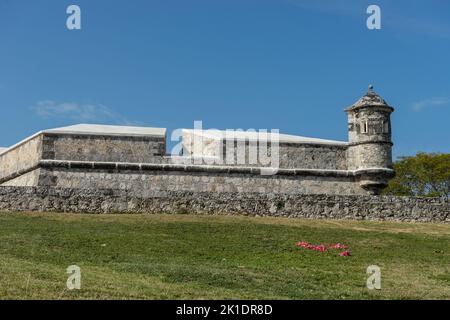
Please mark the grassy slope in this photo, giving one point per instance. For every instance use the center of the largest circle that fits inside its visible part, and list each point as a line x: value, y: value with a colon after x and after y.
x: 183, y: 256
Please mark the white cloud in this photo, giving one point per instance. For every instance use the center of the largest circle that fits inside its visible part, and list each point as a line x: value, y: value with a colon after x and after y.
x: 78, y: 112
x: 432, y: 102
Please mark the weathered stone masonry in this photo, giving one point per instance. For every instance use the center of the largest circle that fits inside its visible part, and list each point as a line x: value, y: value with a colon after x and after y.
x: 93, y: 156
x: 104, y: 169
x: 278, y: 205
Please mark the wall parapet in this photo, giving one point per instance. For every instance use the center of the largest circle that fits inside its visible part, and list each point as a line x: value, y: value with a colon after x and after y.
x: 123, y: 166
x: 315, y: 206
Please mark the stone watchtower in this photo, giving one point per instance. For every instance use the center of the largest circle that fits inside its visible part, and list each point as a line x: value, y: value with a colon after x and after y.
x: 370, y: 145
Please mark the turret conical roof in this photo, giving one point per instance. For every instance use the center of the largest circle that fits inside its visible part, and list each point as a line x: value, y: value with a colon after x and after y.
x: 370, y: 99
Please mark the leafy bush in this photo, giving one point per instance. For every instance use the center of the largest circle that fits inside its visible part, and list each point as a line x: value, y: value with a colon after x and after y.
x: 425, y: 174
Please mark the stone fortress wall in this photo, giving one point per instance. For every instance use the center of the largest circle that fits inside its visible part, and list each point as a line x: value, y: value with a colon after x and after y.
x: 100, y: 161
x: 354, y: 207
x: 108, y: 162
x: 128, y: 158
x: 294, y: 152
x: 213, y: 165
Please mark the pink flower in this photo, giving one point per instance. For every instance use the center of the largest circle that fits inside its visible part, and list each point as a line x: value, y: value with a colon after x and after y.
x: 303, y: 244
x: 345, y: 253
x: 320, y: 248
x: 339, y: 246
x: 307, y: 245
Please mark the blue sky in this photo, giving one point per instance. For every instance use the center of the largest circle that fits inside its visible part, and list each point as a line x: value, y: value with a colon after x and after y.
x: 292, y: 65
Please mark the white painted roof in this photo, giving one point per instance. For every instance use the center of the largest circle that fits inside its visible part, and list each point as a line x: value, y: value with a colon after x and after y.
x: 3, y: 149
x: 244, y: 135
x: 100, y: 129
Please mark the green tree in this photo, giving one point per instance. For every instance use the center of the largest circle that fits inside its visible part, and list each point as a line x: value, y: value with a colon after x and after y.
x: 425, y: 174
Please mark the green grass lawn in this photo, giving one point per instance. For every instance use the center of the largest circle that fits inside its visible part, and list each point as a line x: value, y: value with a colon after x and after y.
x: 217, y: 257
